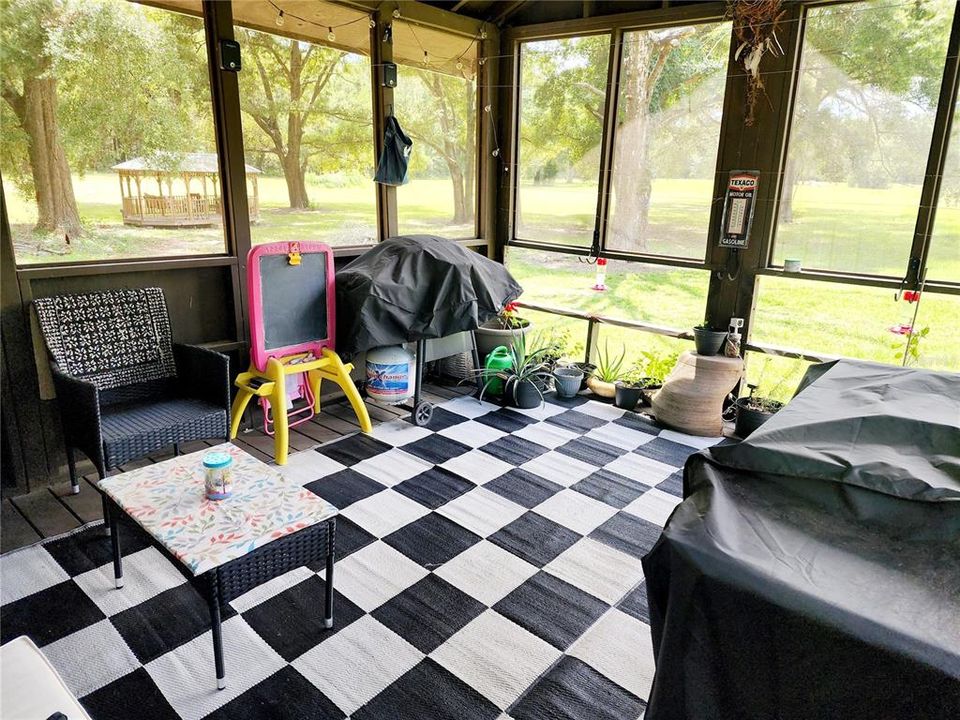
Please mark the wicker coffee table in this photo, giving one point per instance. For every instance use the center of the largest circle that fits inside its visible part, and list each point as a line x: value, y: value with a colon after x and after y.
x: 267, y: 527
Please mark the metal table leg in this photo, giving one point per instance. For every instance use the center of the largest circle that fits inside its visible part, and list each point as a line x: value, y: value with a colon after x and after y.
x: 328, y: 593
x: 476, y: 361
x: 422, y: 410
x: 112, y: 522
x: 214, y: 601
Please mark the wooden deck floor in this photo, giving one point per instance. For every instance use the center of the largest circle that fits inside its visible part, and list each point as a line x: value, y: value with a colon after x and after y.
x: 54, y: 510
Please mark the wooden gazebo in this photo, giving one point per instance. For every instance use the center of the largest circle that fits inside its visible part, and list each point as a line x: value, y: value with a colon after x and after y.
x: 177, y: 190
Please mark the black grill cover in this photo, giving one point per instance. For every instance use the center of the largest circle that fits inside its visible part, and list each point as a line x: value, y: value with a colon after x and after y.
x: 813, y: 571
x: 417, y: 287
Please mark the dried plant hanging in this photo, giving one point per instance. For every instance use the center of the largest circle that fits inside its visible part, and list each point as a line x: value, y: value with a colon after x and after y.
x: 755, y: 25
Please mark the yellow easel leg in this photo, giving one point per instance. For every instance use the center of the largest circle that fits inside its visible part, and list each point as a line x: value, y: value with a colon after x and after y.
x: 314, y: 378
x: 236, y: 412
x: 239, y: 405
x: 278, y: 401
x: 341, y: 375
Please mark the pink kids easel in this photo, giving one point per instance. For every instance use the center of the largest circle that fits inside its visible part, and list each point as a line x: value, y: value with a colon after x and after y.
x: 292, y: 304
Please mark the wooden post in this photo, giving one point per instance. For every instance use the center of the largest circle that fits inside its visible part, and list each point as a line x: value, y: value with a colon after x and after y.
x: 256, y: 197
x: 225, y: 95
x: 759, y: 147
x: 186, y: 185
x: 136, y: 179
x: 382, y: 52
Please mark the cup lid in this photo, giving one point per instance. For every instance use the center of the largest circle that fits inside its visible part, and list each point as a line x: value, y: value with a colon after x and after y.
x: 217, y: 460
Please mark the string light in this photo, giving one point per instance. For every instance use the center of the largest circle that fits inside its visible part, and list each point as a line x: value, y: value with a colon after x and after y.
x: 426, y: 59
x: 459, y: 65
x: 396, y: 13
x: 331, y: 34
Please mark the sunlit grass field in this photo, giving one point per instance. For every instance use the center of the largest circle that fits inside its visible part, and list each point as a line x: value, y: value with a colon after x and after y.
x: 872, y: 235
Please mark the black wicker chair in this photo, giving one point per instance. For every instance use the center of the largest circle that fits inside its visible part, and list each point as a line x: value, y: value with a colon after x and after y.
x: 124, y: 389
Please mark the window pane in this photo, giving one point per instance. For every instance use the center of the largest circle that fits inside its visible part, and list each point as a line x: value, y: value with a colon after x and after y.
x: 657, y: 294
x: 307, y: 140
x: 869, y: 82
x: 668, y: 131
x: 644, y: 353
x: 562, y: 100
x: 943, y: 261
x: 114, y: 101
x: 854, y: 321
x: 776, y: 377
x: 439, y: 112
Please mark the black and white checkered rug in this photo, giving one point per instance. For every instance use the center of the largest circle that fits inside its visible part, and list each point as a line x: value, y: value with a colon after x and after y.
x: 488, y: 568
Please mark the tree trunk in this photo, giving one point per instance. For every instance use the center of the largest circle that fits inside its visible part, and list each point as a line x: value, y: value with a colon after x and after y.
x: 56, y: 205
x: 294, y: 170
x: 294, y: 174
x: 461, y: 214
x: 788, y: 192
x: 629, y: 220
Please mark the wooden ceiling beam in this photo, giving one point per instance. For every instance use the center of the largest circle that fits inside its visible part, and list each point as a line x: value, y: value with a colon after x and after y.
x: 509, y: 11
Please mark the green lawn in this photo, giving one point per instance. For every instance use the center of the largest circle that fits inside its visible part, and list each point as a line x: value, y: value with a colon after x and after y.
x: 872, y: 234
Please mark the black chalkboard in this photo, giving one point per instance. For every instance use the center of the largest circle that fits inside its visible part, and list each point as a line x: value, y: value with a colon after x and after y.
x: 294, y: 299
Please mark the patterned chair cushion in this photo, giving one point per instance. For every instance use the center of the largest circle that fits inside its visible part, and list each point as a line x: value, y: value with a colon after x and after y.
x: 112, y: 339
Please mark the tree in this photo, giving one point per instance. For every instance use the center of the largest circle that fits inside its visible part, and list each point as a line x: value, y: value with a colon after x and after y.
x: 644, y: 60
x: 284, y: 96
x: 443, y: 119
x: 30, y: 90
x: 561, y: 121
x: 868, y: 90
x: 83, y: 90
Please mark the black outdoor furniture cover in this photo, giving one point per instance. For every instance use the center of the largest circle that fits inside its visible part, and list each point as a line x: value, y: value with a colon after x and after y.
x: 417, y: 287
x: 813, y: 570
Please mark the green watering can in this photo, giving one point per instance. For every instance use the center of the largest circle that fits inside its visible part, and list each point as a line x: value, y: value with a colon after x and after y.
x: 499, y: 359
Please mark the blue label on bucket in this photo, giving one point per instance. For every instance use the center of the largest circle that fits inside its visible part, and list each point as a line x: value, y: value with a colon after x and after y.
x: 392, y: 379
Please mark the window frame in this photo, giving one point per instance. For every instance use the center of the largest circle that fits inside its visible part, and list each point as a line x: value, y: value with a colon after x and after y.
x: 480, y: 143
x: 236, y: 238
x: 915, y: 270
x: 616, y: 26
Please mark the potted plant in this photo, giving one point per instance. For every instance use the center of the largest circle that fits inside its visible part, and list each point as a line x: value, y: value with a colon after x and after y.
x: 527, y: 378
x: 587, y: 369
x: 708, y: 340
x: 504, y: 329
x: 602, y: 381
x: 568, y: 380
x: 629, y: 390
x: 651, y: 371
x: 753, y: 411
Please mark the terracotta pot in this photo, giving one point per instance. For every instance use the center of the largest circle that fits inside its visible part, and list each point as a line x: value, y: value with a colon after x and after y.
x: 600, y: 388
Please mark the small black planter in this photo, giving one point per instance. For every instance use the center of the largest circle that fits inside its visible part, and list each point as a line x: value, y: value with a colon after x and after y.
x: 708, y: 341
x: 627, y: 396
x: 523, y: 394
x: 748, y: 419
x: 588, y: 370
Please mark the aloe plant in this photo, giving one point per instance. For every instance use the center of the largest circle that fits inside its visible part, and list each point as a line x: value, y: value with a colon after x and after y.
x: 608, y: 366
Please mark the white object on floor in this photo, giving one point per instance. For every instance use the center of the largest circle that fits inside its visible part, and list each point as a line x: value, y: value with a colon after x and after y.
x: 29, y: 685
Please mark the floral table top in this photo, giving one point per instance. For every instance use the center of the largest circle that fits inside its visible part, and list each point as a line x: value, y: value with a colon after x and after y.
x: 169, y: 502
